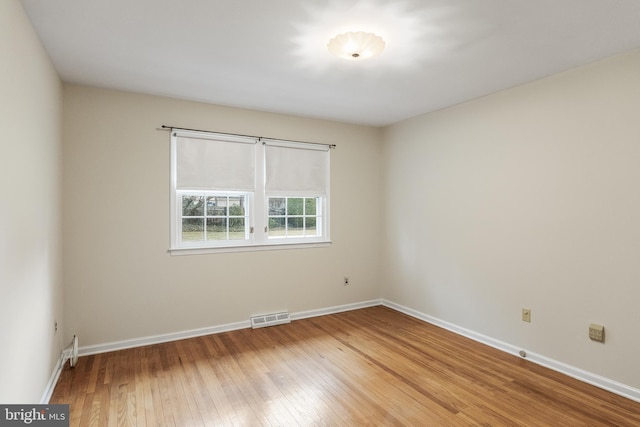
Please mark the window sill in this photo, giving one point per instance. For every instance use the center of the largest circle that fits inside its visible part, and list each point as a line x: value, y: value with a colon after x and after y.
x: 248, y: 248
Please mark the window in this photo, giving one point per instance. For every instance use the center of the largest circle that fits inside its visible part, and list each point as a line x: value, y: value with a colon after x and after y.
x: 231, y: 193
x: 210, y: 216
x: 294, y: 217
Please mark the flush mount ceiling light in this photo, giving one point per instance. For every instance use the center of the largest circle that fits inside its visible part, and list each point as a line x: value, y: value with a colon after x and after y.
x: 356, y: 45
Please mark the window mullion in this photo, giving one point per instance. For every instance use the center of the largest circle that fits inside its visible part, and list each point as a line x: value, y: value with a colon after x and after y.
x: 228, y: 218
x: 304, y: 217
x: 204, y: 216
x: 260, y: 211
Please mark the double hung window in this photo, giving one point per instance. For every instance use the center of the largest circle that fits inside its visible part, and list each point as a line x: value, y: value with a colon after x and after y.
x: 231, y: 193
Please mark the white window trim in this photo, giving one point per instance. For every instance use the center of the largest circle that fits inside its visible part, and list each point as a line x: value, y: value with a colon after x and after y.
x: 258, y: 214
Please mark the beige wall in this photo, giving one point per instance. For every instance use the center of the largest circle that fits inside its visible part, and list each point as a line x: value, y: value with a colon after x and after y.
x: 526, y: 198
x: 30, y: 242
x: 120, y: 282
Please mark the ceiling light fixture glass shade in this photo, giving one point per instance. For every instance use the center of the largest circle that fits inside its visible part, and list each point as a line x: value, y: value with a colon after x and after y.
x: 356, y: 45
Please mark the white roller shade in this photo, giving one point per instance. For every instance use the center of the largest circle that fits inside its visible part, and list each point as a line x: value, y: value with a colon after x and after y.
x: 216, y: 162
x: 296, y: 169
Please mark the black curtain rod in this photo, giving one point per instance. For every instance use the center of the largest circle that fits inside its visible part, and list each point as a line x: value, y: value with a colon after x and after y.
x: 170, y: 128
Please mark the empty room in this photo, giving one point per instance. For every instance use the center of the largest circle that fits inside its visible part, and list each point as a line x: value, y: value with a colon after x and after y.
x: 297, y: 212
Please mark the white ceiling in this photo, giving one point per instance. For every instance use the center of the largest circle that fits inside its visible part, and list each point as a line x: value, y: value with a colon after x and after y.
x: 272, y: 56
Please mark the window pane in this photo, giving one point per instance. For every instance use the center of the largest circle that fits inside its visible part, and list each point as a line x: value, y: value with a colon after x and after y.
x: 310, y: 206
x: 217, y: 206
x: 236, y: 206
x: 300, y: 216
x: 192, y: 229
x: 277, y: 206
x: 216, y: 229
x: 310, y: 226
x: 295, y: 227
x: 294, y: 206
x: 236, y: 229
x: 277, y: 227
x: 192, y: 205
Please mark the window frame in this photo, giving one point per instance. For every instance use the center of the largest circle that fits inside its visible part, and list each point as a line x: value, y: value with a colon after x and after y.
x: 257, y: 209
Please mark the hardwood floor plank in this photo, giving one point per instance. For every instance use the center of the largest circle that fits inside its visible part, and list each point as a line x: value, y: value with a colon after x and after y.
x: 372, y: 366
x: 299, y: 387
x: 195, y: 386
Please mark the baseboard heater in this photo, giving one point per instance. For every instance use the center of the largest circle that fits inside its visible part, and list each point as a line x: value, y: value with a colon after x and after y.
x: 270, y: 320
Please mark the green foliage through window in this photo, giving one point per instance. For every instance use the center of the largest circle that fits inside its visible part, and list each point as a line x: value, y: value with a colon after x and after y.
x: 293, y: 217
x: 223, y: 217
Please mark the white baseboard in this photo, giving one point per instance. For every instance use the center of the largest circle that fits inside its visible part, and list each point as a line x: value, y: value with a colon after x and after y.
x: 53, y: 380
x: 158, y: 339
x: 336, y: 309
x: 174, y: 336
x: 571, y: 371
x: 500, y: 345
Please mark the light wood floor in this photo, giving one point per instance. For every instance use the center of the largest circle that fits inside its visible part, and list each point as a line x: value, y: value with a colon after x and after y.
x: 373, y: 366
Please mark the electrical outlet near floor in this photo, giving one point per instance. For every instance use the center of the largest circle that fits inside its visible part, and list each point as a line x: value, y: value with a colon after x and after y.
x: 526, y: 315
x: 596, y: 332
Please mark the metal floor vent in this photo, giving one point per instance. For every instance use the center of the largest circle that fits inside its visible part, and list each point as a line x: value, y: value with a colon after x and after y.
x: 270, y: 320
